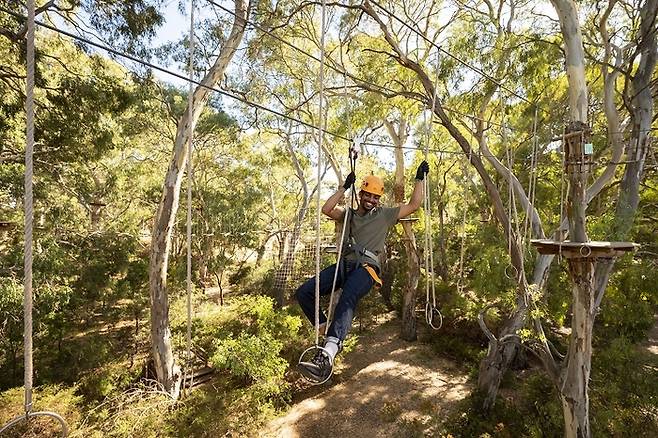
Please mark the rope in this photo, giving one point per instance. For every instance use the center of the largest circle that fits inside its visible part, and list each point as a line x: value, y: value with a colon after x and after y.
x: 29, y: 212
x: 430, y: 309
x: 321, y: 121
x: 511, y: 271
x: 353, y: 154
x: 532, y: 184
x: 190, y: 138
x: 28, y: 238
x: 462, y: 250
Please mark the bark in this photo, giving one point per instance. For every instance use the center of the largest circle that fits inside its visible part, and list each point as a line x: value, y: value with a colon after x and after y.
x: 409, y: 320
x: 167, y: 371
x: 574, y: 58
x: 500, y: 354
x: 575, y: 374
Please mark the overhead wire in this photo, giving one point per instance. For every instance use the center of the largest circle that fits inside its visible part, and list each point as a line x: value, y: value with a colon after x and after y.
x: 456, y: 58
x: 258, y: 106
x: 390, y: 90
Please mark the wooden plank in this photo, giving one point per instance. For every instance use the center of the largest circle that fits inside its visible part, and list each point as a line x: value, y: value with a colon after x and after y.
x: 592, y: 249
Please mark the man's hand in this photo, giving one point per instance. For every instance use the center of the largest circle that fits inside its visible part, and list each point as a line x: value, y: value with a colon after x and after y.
x: 423, y: 170
x: 349, y: 181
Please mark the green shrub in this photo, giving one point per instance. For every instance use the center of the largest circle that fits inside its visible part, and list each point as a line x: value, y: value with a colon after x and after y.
x: 623, y: 392
x: 253, y: 358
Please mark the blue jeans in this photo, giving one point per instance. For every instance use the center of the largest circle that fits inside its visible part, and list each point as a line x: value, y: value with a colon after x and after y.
x: 356, y: 282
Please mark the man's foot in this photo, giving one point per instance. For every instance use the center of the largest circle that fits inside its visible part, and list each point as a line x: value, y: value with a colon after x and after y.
x: 318, y: 369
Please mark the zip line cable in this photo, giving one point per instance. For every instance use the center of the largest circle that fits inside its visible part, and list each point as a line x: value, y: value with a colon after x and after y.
x: 442, y: 50
x: 386, y: 89
x: 262, y: 107
x: 335, y: 69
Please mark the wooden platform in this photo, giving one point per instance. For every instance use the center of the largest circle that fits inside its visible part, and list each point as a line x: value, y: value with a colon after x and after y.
x: 593, y: 249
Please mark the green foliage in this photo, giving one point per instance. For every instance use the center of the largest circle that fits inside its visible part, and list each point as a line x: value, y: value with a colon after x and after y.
x: 247, y: 338
x: 629, y: 303
x: 536, y: 412
x: 251, y: 344
x: 138, y: 411
x: 253, y: 358
x: 624, y: 391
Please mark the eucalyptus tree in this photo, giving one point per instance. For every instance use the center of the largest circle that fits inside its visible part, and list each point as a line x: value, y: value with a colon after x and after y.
x: 219, y: 55
x: 87, y: 128
x: 284, y: 75
x: 394, y: 33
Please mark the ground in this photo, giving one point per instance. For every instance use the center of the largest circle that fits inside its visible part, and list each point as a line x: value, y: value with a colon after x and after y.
x: 386, y: 387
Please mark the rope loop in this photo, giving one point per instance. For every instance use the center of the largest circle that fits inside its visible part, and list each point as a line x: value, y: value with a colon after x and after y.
x: 430, y: 312
x: 511, y: 272
x: 315, y: 350
x: 26, y: 417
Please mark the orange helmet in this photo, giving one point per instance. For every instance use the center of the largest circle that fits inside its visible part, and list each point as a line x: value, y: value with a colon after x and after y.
x: 373, y: 184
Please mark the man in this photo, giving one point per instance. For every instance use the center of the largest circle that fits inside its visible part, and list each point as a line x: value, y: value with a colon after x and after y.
x: 363, y: 246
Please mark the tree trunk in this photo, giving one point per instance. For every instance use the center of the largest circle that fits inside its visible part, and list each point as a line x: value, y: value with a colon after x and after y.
x: 167, y: 372
x: 409, y: 293
x: 575, y: 376
x: 641, y: 115
x: 500, y: 355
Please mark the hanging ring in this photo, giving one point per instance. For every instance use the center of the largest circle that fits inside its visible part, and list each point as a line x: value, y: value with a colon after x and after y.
x: 513, y: 273
x: 431, y: 312
x: 26, y: 417
x: 315, y: 348
x: 585, y: 251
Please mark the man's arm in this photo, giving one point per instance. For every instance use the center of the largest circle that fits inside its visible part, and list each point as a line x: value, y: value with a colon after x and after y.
x: 330, y: 207
x: 417, y: 194
x: 415, y: 201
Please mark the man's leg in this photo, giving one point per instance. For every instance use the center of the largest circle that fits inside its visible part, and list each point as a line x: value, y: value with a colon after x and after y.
x: 319, y: 368
x: 357, y: 284
x: 305, y: 294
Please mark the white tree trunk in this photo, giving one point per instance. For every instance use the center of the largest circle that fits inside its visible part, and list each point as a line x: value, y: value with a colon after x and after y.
x: 409, y: 320
x: 167, y: 372
x: 574, y: 58
x: 575, y: 375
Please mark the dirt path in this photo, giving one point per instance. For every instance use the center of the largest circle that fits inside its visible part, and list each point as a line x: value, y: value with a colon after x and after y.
x: 385, y: 388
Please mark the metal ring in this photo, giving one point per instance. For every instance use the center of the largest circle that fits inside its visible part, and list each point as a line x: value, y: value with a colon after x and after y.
x: 587, y: 253
x: 514, y: 270
x: 430, y: 311
x: 27, y: 416
x: 316, y: 348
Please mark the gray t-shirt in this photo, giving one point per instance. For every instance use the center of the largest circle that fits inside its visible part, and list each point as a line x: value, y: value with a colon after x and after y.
x: 369, y: 231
